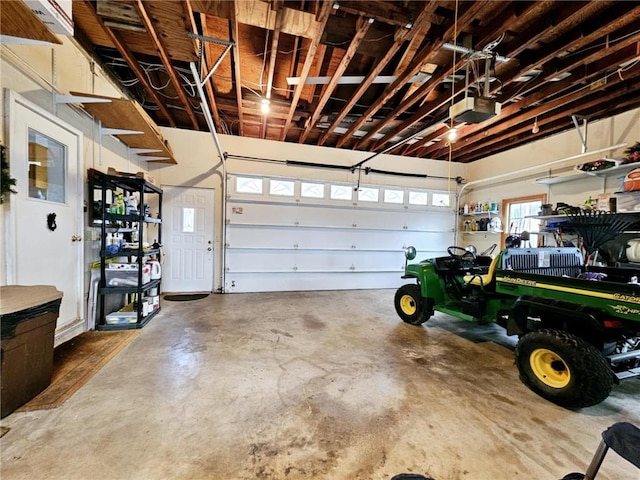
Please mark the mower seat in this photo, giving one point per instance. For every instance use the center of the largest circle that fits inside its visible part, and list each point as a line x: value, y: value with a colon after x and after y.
x: 482, y: 280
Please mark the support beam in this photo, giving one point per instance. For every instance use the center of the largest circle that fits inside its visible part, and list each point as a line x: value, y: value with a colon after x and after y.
x: 323, y: 16
x: 278, y: 6
x: 427, y: 54
x: 162, y: 53
x: 235, y: 37
x: 133, y: 64
x: 400, y: 37
x: 199, y: 46
x: 362, y: 27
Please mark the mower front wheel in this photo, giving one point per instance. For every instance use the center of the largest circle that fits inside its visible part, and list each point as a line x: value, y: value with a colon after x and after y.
x: 410, y: 304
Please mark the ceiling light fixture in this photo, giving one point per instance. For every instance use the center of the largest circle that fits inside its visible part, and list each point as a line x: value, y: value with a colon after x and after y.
x: 336, y: 5
x: 452, y: 134
x: 265, y: 106
x: 535, y: 128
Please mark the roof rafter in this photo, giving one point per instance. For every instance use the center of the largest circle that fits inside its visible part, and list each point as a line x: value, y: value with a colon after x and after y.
x: 322, y: 17
x: 151, y: 30
x: 235, y: 37
x: 278, y: 6
x: 132, y: 62
x: 362, y: 27
x: 421, y: 57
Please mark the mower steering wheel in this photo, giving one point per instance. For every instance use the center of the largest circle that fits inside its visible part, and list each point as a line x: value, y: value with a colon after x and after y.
x: 466, y: 254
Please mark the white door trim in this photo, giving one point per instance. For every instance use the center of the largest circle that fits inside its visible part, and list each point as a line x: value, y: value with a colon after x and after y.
x: 12, y: 99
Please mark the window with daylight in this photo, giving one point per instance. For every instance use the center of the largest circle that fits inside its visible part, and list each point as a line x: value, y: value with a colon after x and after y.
x: 441, y: 200
x: 188, y: 219
x: 341, y: 192
x: 518, y: 212
x: 418, y: 198
x: 248, y: 185
x: 47, y: 168
x: 281, y: 187
x: 393, y: 196
x: 368, y: 194
x: 312, y: 190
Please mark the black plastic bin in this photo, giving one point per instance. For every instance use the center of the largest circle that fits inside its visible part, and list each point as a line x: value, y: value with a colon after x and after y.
x: 28, y: 316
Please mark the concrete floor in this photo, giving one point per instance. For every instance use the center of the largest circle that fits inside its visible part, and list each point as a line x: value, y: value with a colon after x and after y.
x: 328, y: 385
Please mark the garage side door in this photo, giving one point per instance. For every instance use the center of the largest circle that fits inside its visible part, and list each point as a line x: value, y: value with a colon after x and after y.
x: 288, y: 234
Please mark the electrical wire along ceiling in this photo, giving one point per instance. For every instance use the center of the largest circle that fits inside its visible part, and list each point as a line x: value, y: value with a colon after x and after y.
x: 377, y: 75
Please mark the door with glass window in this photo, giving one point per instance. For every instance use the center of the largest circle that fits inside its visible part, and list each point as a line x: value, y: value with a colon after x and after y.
x: 187, y: 239
x: 45, y: 242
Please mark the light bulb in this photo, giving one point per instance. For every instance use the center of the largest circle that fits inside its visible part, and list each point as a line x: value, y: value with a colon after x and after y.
x: 452, y: 135
x: 535, y: 128
x: 264, y: 107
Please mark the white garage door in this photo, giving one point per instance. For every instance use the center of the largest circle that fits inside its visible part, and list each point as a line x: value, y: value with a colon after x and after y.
x: 288, y: 234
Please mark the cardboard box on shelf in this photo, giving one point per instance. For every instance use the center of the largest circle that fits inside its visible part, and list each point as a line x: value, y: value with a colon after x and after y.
x: 627, y: 202
x: 145, y: 176
x: 606, y: 202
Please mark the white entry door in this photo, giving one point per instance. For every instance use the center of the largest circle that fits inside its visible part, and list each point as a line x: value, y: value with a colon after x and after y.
x: 45, y: 244
x: 187, y: 239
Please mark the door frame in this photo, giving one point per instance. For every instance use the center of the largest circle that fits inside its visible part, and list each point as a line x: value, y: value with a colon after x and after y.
x: 11, y: 101
x: 214, y: 258
x: 506, y: 203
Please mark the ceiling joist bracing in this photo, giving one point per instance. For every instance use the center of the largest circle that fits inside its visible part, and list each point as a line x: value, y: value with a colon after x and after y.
x: 547, y: 60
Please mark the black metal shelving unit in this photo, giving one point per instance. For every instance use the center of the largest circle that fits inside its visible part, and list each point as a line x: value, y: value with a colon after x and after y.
x: 113, y: 222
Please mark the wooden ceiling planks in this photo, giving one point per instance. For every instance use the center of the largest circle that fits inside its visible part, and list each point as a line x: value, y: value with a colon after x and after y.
x: 121, y: 113
x: 258, y: 14
x: 552, y: 37
x: 17, y: 20
x: 323, y: 16
x: 362, y: 27
x: 173, y: 27
x: 166, y: 61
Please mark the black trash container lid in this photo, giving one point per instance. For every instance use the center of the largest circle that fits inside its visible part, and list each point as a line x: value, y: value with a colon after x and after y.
x: 21, y: 302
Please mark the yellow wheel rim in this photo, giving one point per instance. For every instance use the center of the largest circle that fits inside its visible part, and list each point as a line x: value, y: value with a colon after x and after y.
x: 550, y: 368
x: 408, y: 304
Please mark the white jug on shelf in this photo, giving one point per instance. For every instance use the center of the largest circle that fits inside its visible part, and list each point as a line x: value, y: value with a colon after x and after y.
x: 156, y: 269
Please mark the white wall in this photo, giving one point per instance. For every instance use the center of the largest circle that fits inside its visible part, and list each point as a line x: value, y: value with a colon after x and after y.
x: 36, y: 73
x: 623, y: 128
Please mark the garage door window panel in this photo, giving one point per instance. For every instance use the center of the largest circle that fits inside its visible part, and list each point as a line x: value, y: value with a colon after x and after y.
x: 311, y: 190
x: 393, y: 196
x: 249, y: 185
x: 341, y: 192
x: 366, y: 194
x: 441, y: 200
x: 418, y: 198
x: 283, y: 188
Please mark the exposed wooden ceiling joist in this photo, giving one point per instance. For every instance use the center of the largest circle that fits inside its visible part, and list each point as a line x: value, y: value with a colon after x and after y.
x: 362, y: 28
x: 323, y: 16
x: 554, y: 49
x: 148, y: 24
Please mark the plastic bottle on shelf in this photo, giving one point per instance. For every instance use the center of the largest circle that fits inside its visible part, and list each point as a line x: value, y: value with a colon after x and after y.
x: 465, y: 209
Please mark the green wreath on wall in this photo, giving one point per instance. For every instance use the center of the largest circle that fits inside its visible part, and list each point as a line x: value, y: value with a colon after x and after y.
x: 8, y: 182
